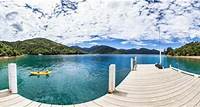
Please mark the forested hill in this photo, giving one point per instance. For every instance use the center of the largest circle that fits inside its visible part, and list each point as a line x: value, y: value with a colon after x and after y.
x: 6, y: 50
x: 38, y: 46
x: 190, y: 49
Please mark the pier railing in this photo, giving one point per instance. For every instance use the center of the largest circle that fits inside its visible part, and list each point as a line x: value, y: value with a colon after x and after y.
x: 185, y: 72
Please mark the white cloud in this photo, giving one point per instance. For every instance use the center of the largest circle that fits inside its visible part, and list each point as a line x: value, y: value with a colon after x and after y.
x: 93, y: 43
x: 128, y: 20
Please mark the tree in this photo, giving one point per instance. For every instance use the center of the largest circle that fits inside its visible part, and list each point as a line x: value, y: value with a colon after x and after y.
x: 170, y: 51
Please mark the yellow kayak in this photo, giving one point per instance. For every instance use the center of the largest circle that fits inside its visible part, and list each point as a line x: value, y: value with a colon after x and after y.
x: 41, y: 73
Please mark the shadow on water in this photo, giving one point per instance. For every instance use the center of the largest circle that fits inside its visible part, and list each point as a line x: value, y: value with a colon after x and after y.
x: 38, y: 76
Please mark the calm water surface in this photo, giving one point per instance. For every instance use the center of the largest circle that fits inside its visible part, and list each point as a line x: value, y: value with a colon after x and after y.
x: 77, y: 78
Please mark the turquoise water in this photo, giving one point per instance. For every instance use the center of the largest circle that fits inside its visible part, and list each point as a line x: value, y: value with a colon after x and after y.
x: 77, y: 78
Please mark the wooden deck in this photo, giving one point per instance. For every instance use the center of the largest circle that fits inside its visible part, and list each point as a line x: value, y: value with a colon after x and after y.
x: 146, y: 87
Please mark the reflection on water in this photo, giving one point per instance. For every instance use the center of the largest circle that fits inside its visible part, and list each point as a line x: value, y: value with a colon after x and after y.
x: 38, y: 76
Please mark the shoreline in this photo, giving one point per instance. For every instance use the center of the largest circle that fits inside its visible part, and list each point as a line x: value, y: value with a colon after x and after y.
x: 190, y: 57
x: 10, y: 57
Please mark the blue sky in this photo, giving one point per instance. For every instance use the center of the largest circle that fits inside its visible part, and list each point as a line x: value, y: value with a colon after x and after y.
x: 151, y: 44
x: 117, y: 23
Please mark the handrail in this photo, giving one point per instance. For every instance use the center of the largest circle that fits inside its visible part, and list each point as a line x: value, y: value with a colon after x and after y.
x: 185, y: 72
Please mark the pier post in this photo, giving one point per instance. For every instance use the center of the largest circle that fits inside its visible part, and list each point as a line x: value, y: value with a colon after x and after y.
x: 12, y: 78
x: 132, y: 64
x: 135, y: 63
x: 135, y: 58
x: 111, y: 84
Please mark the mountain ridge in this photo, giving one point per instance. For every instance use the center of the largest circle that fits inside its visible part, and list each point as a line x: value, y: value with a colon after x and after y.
x: 103, y: 49
x: 45, y: 46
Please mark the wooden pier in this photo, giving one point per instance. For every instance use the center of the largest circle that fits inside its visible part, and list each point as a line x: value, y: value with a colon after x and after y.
x: 145, y: 87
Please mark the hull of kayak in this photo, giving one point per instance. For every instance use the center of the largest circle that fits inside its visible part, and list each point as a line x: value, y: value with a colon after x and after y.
x: 41, y: 73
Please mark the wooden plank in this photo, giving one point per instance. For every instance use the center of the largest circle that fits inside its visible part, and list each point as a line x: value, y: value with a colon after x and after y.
x: 22, y: 103
x: 56, y: 105
x: 4, y: 93
x: 12, y: 101
x: 104, y: 103
x: 92, y: 104
x: 155, y: 90
x: 80, y: 105
x: 45, y: 105
x: 34, y: 104
x: 10, y: 97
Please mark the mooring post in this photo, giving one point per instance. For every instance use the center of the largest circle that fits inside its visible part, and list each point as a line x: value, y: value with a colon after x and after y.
x: 12, y: 77
x: 111, y: 86
x: 132, y: 66
x: 135, y: 64
x: 135, y: 58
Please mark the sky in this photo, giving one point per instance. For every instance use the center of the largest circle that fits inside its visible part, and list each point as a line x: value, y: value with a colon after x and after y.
x: 117, y: 23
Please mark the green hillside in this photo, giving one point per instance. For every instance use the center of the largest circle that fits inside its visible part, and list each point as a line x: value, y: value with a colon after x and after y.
x: 41, y: 46
x: 6, y: 50
x: 190, y: 49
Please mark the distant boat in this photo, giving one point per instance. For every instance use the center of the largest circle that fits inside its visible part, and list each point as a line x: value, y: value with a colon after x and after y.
x: 39, y: 54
